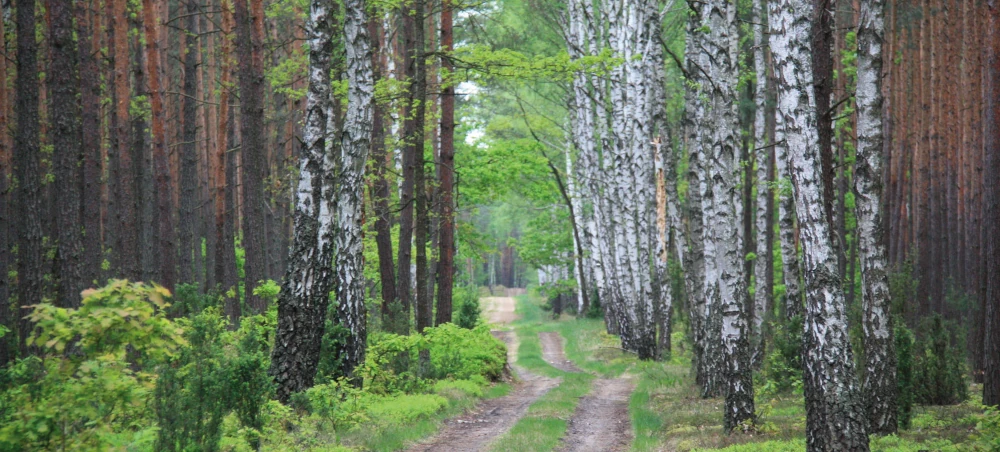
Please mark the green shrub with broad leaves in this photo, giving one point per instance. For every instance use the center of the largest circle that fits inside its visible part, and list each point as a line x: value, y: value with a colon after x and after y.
x: 86, y: 388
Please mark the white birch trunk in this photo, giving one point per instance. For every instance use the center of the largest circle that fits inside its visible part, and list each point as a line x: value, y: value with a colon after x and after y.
x: 880, y: 354
x: 725, y: 288
x: 835, y: 420
x: 762, y: 279
x: 309, y: 280
x: 356, y: 140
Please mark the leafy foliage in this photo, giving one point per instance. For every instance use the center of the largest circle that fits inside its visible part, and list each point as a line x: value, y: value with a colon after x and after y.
x: 939, y: 377
x: 118, y: 315
x: 469, y: 312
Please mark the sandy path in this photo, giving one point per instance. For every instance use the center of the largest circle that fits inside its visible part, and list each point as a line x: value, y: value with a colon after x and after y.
x: 552, y: 352
x: 476, y: 429
x: 601, y: 420
x: 500, y: 310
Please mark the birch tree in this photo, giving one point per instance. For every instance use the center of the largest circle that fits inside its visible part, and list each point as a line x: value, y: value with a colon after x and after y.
x: 880, y: 354
x: 355, y: 142
x: 724, y: 281
x: 309, y: 279
x: 834, y: 415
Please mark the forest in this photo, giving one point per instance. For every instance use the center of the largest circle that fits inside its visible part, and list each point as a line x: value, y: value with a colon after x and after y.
x: 504, y: 225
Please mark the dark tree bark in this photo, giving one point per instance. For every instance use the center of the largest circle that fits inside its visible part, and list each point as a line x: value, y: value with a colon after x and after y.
x: 822, y: 63
x: 306, y: 293
x: 26, y: 169
x: 446, y: 219
x: 249, y: 16
x: 410, y: 135
x: 64, y: 113
x: 90, y: 144
x: 225, y: 180
x: 423, y: 305
x: 7, y: 348
x: 166, y: 236
x: 394, y: 318
x: 125, y: 200
x: 189, y: 149
x: 991, y: 233
x: 142, y: 164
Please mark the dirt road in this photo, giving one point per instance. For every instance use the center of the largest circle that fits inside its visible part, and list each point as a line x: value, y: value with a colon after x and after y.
x: 552, y: 352
x: 601, y: 420
x: 476, y: 429
x: 600, y: 423
x: 500, y: 310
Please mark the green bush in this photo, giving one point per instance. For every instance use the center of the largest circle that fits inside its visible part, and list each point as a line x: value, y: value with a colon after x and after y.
x: 904, y: 374
x: 455, y: 353
x: 189, y: 398
x: 91, y: 398
x: 783, y: 366
x: 469, y: 312
x: 938, y: 366
x: 189, y: 301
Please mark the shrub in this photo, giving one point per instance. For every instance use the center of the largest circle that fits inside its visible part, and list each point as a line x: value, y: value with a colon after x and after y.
x: 939, y: 371
x: 469, y: 312
x: 904, y: 374
x: 783, y: 367
x: 188, y: 400
x: 250, y: 386
x: 460, y: 353
x: 988, y: 431
x: 189, y: 301
x: 405, y: 408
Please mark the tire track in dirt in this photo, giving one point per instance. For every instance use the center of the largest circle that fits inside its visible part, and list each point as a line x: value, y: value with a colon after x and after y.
x: 552, y: 352
x: 477, y: 429
x: 601, y: 421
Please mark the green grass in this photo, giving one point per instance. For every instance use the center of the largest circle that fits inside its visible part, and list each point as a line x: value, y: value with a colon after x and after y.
x: 546, y: 421
x: 392, y: 437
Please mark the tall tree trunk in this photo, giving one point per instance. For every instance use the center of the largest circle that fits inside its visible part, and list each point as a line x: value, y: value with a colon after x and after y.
x: 90, y: 144
x: 423, y: 305
x: 125, y: 204
x: 880, y: 354
x: 394, y: 318
x: 694, y: 262
x: 412, y: 133
x: 142, y: 162
x: 224, y: 247
x: 725, y: 290
x: 763, y: 264
x: 304, y: 298
x: 249, y: 16
x: 167, y: 250
x: 835, y: 418
x: 189, y: 149
x: 356, y: 141
x: 64, y: 113
x: 446, y: 187
x: 991, y: 233
x: 26, y: 169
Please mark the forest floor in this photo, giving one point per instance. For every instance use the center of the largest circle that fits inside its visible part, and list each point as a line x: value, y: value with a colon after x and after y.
x: 577, y: 391
x: 550, y: 389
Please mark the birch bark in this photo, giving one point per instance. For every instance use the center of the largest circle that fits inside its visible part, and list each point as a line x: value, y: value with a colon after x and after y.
x: 880, y: 354
x: 356, y: 140
x: 309, y: 279
x: 834, y: 416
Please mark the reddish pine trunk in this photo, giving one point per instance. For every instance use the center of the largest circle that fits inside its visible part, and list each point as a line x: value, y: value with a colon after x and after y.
x: 161, y: 163
x: 249, y: 56
x: 446, y: 241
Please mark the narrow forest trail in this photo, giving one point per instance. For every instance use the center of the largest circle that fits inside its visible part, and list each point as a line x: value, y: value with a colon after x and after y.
x: 476, y: 429
x: 601, y: 420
